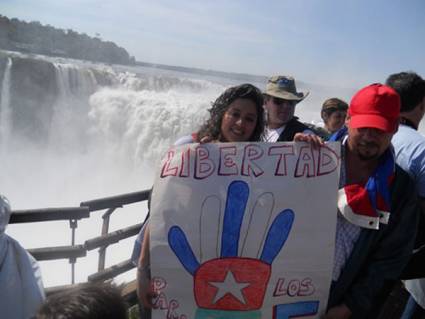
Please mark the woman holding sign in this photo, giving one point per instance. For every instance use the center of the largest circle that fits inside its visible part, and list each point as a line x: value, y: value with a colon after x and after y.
x: 237, y: 115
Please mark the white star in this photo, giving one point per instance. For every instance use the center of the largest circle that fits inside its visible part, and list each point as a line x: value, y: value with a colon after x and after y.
x: 229, y: 285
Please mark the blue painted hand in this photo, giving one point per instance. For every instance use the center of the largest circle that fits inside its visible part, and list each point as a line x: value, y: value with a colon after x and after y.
x: 231, y: 282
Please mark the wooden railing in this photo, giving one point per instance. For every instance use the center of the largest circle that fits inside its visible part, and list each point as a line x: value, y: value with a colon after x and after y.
x: 73, y: 251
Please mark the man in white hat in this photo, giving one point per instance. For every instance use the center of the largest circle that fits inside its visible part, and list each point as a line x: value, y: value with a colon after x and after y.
x: 281, y: 97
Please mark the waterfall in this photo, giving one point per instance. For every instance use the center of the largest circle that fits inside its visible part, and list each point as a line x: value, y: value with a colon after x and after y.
x: 106, y: 129
x: 74, y: 80
x: 5, y: 109
x: 69, y: 114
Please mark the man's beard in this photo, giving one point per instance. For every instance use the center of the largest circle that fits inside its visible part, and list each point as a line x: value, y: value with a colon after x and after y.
x: 372, y: 155
x: 368, y: 157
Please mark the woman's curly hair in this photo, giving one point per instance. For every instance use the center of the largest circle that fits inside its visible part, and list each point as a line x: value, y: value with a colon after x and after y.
x: 212, y: 127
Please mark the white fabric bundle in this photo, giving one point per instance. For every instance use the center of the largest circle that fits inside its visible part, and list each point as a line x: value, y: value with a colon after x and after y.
x: 21, y: 287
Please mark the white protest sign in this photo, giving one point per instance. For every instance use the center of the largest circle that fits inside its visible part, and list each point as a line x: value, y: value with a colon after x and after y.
x: 244, y: 230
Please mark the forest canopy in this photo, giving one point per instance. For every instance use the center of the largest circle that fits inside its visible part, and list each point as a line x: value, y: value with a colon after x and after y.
x: 33, y: 37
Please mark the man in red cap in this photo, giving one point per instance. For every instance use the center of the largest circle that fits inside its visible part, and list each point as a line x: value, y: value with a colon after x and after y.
x: 377, y: 208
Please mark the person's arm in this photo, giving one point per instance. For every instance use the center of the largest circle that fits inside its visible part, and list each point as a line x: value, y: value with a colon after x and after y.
x: 144, y: 289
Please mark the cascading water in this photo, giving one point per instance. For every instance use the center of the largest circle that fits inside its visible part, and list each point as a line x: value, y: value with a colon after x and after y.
x: 70, y: 109
x: 143, y: 124
x: 5, y: 112
x: 105, y: 131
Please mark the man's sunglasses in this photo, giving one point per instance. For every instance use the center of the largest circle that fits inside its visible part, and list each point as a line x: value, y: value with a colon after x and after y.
x: 280, y: 102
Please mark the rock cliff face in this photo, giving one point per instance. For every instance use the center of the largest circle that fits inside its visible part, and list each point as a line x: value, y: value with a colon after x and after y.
x: 33, y: 92
x: 35, y: 88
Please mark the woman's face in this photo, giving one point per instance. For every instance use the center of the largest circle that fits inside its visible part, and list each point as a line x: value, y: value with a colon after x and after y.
x: 335, y: 121
x: 239, y: 121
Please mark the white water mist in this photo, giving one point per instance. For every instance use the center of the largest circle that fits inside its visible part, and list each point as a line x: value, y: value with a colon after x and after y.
x: 5, y: 118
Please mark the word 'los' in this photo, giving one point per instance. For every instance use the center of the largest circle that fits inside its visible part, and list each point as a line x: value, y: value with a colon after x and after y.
x: 253, y: 160
x: 294, y: 287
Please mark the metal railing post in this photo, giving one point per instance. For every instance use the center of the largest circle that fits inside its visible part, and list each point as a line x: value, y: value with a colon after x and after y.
x: 105, y: 230
x: 73, y: 225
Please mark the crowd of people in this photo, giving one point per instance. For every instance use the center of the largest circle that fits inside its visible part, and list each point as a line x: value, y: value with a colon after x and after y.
x: 381, y: 197
x: 379, y: 203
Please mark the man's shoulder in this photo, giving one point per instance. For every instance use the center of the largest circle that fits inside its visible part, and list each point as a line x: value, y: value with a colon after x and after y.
x: 409, y: 146
x: 296, y: 122
x: 291, y: 128
x: 296, y: 125
x: 407, y: 136
x: 319, y: 131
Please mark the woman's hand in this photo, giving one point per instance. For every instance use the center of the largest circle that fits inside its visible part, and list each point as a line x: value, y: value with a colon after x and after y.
x: 315, y: 140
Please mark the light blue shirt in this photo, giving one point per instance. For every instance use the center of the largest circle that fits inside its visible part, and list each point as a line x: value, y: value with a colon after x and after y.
x: 409, y: 147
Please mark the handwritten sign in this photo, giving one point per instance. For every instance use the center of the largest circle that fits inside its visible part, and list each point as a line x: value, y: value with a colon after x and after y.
x: 244, y: 230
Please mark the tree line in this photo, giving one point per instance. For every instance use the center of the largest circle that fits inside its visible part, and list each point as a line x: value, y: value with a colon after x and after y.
x: 33, y: 37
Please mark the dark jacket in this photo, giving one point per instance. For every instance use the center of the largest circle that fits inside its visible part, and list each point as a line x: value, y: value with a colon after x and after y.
x: 379, y: 256
x: 319, y: 131
x: 292, y: 127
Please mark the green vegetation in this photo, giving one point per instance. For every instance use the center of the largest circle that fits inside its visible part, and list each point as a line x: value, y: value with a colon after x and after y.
x: 33, y: 37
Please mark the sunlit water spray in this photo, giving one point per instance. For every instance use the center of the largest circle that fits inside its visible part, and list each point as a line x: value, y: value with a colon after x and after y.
x: 5, y: 122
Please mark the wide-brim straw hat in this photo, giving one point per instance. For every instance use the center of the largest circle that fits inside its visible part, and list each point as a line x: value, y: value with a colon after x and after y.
x: 283, y: 87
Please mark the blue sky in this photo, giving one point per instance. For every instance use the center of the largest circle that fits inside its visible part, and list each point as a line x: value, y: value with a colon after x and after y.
x: 344, y: 43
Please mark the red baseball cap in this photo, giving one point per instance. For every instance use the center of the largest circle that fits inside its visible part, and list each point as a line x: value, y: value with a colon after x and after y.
x: 376, y: 106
